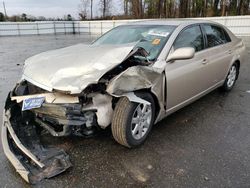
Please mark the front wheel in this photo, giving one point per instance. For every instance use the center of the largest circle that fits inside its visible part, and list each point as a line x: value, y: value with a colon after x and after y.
x: 231, y: 78
x: 132, y: 121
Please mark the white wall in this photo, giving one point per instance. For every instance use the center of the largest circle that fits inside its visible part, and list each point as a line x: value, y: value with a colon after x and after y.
x: 239, y: 25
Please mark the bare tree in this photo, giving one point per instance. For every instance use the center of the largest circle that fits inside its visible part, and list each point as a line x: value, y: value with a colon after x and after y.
x: 126, y: 7
x: 83, y: 9
x: 246, y: 5
x: 91, y: 9
x: 2, y: 17
x: 105, y: 7
x: 24, y: 17
x: 160, y: 8
x: 137, y: 8
x: 239, y: 8
x: 183, y: 8
x: 224, y: 4
x: 215, y: 7
x: 170, y: 8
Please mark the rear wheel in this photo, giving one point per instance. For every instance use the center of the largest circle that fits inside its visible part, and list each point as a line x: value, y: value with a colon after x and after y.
x: 132, y: 121
x: 231, y: 78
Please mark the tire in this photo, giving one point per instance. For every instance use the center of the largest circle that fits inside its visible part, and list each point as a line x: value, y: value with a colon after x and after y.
x: 231, y: 78
x: 130, y: 133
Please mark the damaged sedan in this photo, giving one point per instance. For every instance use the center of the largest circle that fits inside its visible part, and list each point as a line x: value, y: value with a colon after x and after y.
x: 130, y: 78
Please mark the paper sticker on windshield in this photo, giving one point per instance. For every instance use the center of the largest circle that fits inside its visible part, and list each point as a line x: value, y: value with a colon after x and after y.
x: 158, y: 33
x: 156, y: 41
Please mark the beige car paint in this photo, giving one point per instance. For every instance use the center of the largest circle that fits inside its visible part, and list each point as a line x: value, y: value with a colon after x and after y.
x: 73, y: 68
x: 181, y: 54
x: 197, y: 84
x: 187, y: 78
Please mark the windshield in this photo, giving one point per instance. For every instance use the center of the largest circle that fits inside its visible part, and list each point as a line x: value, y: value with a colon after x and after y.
x: 152, y: 38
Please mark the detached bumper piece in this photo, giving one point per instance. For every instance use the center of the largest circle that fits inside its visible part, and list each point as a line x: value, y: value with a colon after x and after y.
x: 23, y: 148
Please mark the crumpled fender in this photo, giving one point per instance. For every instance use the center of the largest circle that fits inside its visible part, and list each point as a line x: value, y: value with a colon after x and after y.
x: 132, y: 79
x: 137, y: 78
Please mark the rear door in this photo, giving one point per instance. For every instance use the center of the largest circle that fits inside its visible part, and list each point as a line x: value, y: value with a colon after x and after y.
x: 219, y: 52
x: 187, y: 78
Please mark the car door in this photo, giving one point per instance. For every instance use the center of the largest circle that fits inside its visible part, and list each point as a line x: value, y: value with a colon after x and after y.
x: 219, y: 52
x: 187, y: 78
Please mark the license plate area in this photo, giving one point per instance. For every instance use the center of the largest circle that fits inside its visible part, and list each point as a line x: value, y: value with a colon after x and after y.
x: 31, y: 103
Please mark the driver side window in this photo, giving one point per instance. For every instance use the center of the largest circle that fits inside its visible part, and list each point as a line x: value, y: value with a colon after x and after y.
x: 190, y: 37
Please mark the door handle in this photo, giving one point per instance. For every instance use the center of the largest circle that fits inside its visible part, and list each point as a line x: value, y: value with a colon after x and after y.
x: 229, y: 52
x: 204, y: 61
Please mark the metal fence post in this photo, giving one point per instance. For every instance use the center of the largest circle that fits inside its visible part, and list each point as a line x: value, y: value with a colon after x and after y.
x: 64, y: 28
x: 54, y: 24
x: 37, y: 28
x: 73, y: 24
x: 79, y: 28
x: 101, y: 28
x: 89, y: 29
x: 18, y: 29
x: 226, y: 21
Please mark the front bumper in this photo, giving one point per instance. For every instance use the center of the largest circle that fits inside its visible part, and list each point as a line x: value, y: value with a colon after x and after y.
x: 24, y: 149
x: 10, y: 155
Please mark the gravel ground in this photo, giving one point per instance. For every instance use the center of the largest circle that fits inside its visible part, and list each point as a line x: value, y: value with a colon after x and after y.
x: 206, y: 144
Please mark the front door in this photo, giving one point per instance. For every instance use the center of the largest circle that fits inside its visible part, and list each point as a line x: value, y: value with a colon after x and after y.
x: 187, y: 78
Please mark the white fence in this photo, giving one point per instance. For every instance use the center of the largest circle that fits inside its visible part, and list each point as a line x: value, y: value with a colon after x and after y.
x: 58, y: 27
x: 239, y: 25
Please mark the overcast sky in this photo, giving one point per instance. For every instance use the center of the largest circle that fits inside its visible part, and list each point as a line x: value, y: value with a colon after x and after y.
x: 52, y: 8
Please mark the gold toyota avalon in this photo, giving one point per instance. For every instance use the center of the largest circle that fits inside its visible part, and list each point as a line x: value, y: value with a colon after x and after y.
x: 130, y: 78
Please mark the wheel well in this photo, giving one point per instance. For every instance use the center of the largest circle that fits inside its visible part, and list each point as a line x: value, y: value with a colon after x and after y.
x: 157, y: 105
x: 237, y: 62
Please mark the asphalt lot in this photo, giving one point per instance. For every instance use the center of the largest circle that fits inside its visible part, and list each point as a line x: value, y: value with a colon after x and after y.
x: 206, y: 144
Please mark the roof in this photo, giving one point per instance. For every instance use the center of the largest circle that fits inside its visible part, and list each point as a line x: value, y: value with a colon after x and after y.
x: 175, y: 22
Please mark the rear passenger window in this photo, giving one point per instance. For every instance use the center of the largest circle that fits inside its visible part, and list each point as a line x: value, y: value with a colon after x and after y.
x: 228, y: 39
x: 190, y: 37
x: 215, y: 36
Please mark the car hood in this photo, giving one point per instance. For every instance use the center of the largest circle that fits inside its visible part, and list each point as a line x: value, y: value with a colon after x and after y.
x: 73, y: 68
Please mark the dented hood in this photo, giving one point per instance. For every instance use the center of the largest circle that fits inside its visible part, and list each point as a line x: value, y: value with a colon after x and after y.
x: 73, y: 68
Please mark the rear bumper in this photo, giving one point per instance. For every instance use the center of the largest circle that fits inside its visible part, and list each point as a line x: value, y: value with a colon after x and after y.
x: 24, y: 149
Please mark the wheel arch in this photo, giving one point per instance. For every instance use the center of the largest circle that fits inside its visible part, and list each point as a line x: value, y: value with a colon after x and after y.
x: 237, y: 62
x: 156, y: 101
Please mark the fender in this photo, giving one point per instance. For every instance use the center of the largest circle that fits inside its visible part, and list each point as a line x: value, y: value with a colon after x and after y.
x: 140, y: 78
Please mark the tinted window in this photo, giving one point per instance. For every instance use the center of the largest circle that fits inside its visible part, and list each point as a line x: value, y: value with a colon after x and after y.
x: 227, y: 38
x: 190, y: 37
x: 215, y: 36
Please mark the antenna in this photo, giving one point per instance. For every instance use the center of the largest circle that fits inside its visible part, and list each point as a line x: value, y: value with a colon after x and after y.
x: 4, y: 10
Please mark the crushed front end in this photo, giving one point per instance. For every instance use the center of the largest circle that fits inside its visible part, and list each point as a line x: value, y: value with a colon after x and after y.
x: 77, y: 101
x: 60, y: 115
x: 22, y: 146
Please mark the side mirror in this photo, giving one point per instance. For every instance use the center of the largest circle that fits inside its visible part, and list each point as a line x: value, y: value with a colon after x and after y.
x: 181, y: 53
